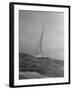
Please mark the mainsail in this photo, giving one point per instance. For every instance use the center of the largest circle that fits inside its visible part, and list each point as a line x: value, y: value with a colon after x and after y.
x: 39, y: 49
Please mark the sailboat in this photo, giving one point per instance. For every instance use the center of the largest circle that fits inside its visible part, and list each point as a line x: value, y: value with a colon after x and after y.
x: 39, y: 49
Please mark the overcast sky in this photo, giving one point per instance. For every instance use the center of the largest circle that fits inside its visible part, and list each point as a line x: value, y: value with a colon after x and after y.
x: 30, y: 29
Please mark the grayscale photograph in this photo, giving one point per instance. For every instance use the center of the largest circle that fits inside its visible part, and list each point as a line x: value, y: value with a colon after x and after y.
x: 41, y: 44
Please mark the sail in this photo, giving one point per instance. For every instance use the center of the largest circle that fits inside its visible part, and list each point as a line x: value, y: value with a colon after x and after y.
x: 39, y: 49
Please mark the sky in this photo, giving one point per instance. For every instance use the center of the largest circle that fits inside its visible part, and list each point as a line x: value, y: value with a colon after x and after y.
x: 30, y: 29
